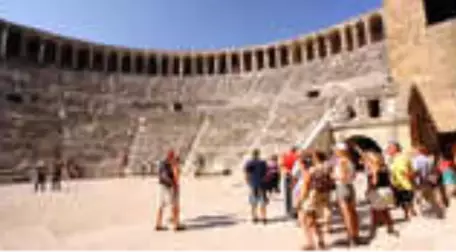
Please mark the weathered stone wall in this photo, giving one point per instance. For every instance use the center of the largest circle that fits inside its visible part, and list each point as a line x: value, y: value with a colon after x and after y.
x: 423, y: 55
x: 93, y: 116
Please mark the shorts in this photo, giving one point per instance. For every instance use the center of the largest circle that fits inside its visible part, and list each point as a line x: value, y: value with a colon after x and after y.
x: 167, y: 196
x: 345, y: 192
x: 258, y: 196
x: 316, y: 203
x: 404, y: 197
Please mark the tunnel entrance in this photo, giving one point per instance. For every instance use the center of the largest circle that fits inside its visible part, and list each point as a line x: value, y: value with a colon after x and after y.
x: 365, y: 144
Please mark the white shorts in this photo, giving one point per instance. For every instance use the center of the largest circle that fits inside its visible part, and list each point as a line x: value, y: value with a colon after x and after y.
x: 167, y: 196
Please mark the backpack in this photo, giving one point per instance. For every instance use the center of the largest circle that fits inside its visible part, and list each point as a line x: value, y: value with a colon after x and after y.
x: 321, y: 181
x: 165, y: 174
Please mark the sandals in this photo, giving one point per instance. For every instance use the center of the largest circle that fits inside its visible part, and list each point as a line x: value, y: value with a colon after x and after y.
x: 179, y: 228
x: 160, y: 228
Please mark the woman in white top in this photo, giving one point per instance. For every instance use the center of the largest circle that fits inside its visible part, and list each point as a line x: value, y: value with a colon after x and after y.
x: 344, y: 175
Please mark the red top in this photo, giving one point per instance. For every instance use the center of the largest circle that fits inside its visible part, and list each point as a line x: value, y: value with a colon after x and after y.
x: 444, y: 165
x: 288, y: 160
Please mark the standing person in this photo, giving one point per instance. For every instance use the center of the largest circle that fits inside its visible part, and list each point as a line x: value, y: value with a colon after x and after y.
x: 447, y: 168
x: 380, y: 193
x: 255, y: 174
x: 301, y: 166
x: 314, y: 200
x: 288, y: 161
x: 427, y: 181
x: 168, y: 179
x: 41, y: 173
x: 58, y: 166
x: 273, y: 175
x: 123, y: 164
x: 402, y: 179
x: 344, y: 175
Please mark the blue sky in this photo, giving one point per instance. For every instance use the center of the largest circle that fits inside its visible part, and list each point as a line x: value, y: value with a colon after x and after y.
x: 183, y: 24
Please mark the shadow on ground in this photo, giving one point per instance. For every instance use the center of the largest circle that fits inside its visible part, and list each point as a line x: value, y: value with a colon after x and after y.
x: 211, y: 221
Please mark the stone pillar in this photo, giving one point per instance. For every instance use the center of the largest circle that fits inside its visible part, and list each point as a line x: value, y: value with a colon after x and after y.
x: 229, y: 66
x: 254, y: 61
x: 361, y: 108
x: 241, y: 62
x: 216, y: 64
x: 367, y: 31
x: 158, y: 58
x: 41, y: 51
x: 266, y: 58
x: 278, y: 58
x: 205, y: 64
x: 303, y: 46
x: 3, y: 43
x: 315, y: 48
x: 119, y: 61
x: 327, y: 40
x: 354, y: 34
x: 343, y: 40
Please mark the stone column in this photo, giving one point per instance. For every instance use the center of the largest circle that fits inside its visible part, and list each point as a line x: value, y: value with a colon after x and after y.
x: 132, y: 62
x: 3, y: 43
x: 278, y: 58
x: 119, y: 61
x: 229, y: 66
x: 315, y: 48
x: 216, y: 64
x: 241, y: 62
x: 354, y: 34
x: 266, y: 58
x: 303, y: 46
x: 361, y: 108
x: 343, y: 40
x: 41, y: 51
x: 367, y: 31
x: 254, y: 61
x: 327, y: 40
x: 158, y: 59
x: 205, y: 64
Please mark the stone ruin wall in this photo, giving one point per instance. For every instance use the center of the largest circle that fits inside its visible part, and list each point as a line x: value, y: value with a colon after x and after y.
x: 92, y: 115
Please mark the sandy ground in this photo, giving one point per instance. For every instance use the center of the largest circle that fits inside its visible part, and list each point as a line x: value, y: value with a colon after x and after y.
x: 119, y: 214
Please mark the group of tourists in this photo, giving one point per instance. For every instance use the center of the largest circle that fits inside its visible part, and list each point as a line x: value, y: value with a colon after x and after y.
x: 53, y: 172
x: 417, y: 183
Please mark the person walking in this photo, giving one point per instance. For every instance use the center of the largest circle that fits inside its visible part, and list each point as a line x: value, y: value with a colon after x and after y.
x: 273, y: 175
x: 57, y: 170
x: 314, y: 201
x: 168, y: 189
x: 344, y: 175
x: 41, y: 174
x: 402, y: 179
x: 380, y: 193
x: 255, y: 174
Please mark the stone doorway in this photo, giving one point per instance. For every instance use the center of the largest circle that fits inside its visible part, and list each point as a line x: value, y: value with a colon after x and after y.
x: 365, y: 144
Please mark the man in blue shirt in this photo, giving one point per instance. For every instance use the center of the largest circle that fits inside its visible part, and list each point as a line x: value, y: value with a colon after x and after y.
x: 255, y: 173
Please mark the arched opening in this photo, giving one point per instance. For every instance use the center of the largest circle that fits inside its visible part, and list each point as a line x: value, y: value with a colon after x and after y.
x: 322, y: 52
x: 199, y: 65
x: 222, y: 64
x: 283, y: 51
x: 361, y: 34
x: 83, y: 59
x: 164, y: 65
x: 260, y: 59
x: 177, y: 107
x: 98, y: 61
x: 247, y: 61
x: 112, y: 62
x: 126, y: 64
x: 49, y: 52
x: 211, y: 65
x: 33, y: 49
x: 335, y: 42
x: 235, y: 64
x: 187, y: 66
x: 139, y: 64
x: 366, y: 144
x: 349, y: 38
x: 152, y: 65
x: 297, y: 54
x: 310, y: 50
x: 13, y: 44
x: 376, y: 28
x: 176, y: 66
x: 272, y: 58
x: 67, y: 56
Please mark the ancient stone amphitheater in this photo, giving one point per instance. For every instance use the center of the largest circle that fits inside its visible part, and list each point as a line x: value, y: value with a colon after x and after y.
x: 93, y: 101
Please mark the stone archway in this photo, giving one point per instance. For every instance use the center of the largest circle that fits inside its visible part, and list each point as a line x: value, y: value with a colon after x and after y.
x: 365, y: 143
